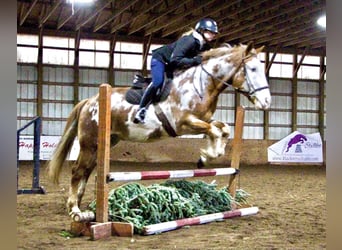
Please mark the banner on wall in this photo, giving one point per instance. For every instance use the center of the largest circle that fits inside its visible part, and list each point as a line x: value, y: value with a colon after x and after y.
x: 297, y: 148
x: 47, y: 145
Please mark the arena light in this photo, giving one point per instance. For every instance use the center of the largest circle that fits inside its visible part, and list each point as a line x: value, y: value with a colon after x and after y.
x: 322, y: 21
x: 80, y: 1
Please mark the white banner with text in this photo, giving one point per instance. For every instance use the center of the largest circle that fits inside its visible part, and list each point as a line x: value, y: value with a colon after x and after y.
x: 297, y: 148
x: 47, y: 145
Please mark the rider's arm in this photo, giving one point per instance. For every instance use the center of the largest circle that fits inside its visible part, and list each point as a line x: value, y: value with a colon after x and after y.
x: 184, y: 53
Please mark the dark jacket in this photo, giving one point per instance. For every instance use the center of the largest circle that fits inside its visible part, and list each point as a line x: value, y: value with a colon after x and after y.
x: 180, y: 54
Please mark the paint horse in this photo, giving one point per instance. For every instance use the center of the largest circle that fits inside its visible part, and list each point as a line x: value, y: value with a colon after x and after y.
x: 188, y: 109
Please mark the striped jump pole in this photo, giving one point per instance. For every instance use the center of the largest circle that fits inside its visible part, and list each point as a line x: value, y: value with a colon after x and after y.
x: 172, y: 225
x: 157, y: 175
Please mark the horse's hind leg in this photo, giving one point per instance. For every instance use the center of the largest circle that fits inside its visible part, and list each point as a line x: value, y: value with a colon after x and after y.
x: 81, y: 171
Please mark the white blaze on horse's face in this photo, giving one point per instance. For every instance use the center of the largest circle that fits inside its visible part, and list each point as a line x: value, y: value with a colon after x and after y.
x: 256, y: 84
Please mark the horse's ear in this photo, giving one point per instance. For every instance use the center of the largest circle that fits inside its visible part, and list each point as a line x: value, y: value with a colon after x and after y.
x: 258, y: 50
x: 250, y: 46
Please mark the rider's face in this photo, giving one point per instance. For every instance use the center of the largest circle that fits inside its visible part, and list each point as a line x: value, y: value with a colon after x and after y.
x: 208, y: 35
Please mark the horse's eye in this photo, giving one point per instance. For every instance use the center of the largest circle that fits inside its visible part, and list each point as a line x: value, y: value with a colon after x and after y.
x: 253, y: 69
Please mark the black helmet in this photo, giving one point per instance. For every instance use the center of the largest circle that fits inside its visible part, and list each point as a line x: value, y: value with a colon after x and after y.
x: 206, y: 24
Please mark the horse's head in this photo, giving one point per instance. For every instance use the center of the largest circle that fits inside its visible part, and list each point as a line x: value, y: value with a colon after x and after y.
x: 250, y: 78
x: 240, y: 67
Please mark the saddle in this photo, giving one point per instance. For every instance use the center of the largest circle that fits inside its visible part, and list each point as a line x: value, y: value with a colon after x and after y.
x: 140, y: 83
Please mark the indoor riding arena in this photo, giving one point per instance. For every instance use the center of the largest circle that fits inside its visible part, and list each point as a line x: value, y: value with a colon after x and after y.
x: 232, y: 153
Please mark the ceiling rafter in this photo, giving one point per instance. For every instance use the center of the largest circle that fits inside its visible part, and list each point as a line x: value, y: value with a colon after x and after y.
x: 266, y: 22
x: 116, y: 13
x: 164, y: 23
x: 50, y: 12
x: 92, y: 15
x: 24, y: 15
x: 193, y: 20
x: 278, y: 35
x: 255, y: 21
x: 276, y: 27
x: 170, y: 9
x: 63, y: 20
x: 302, y: 38
x: 143, y: 10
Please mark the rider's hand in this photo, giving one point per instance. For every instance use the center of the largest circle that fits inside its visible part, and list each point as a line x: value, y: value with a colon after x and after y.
x: 197, y: 60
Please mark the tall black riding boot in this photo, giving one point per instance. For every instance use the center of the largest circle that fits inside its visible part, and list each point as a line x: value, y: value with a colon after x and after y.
x: 146, y: 99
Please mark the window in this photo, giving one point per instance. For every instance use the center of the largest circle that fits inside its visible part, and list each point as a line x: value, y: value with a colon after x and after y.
x: 94, y: 53
x: 58, y: 50
x: 27, y: 48
x: 282, y: 66
x: 128, y: 55
x: 310, y: 67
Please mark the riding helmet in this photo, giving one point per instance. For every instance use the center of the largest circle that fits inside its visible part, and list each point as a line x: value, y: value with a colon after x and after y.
x: 206, y: 24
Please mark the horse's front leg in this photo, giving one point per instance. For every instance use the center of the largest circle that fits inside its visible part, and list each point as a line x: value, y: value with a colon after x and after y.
x: 217, y: 136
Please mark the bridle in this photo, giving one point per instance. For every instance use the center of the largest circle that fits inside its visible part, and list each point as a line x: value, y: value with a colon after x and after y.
x: 228, y: 82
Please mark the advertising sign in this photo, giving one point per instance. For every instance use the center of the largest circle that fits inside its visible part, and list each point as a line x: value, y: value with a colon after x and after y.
x: 297, y: 148
x: 47, y: 146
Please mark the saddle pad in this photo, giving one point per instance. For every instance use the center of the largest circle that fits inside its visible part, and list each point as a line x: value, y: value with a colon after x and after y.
x: 133, y: 96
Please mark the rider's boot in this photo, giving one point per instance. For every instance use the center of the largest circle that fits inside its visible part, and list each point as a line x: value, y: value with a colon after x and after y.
x: 147, y: 98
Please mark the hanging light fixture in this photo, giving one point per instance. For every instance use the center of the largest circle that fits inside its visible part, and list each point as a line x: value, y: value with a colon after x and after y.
x: 322, y: 21
x: 80, y: 1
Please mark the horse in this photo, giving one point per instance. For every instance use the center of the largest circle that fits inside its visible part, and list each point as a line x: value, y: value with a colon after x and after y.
x: 187, y: 110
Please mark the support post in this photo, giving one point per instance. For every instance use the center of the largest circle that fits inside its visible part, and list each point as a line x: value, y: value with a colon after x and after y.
x: 103, y: 153
x: 236, y: 149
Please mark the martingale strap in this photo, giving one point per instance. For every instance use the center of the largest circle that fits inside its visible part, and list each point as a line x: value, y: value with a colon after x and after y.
x: 165, y: 122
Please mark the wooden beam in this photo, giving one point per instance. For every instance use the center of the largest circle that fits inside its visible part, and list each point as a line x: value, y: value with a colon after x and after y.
x: 62, y: 21
x: 169, y: 21
x: 76, y: 67
x: 126, y: 5
x: 40, y: 74
x: 103, y: 153
x: 170, y: 9
x: 300, y: 62
x: 277, y: 28
x: 294, y: 109
x: 92, y: 35
x: 147, y: 46
x: 236, y: 148
x: 25, y: 15
x: 268, y: 67
x: 50, y: 12
x: 230, y: 32
x: 193, y: 20
x: 111, y: 75
x: 322, y: 97
x: 140, y: 13
x: 93, y: 14
x: 302, y: 39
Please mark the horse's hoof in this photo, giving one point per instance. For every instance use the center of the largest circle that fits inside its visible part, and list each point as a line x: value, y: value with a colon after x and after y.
x: 200, y: 163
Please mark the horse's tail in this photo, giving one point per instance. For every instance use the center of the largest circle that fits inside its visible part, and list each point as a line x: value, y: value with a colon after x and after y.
x: 63, y: 148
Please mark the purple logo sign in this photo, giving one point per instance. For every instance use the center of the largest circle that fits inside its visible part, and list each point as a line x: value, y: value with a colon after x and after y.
x: 300, y: 138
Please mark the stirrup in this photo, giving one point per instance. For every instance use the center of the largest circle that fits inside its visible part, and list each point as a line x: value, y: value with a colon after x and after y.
x: 140, y: 116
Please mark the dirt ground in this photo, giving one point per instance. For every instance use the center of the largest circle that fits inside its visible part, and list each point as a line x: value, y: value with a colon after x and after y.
x: 291, y: 202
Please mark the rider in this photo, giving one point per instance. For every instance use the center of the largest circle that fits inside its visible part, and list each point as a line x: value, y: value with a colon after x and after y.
x: 180, y: 54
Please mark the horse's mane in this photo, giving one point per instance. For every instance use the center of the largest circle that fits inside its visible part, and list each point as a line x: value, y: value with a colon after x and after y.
x: 236, y: 51
x: 223, y: 50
